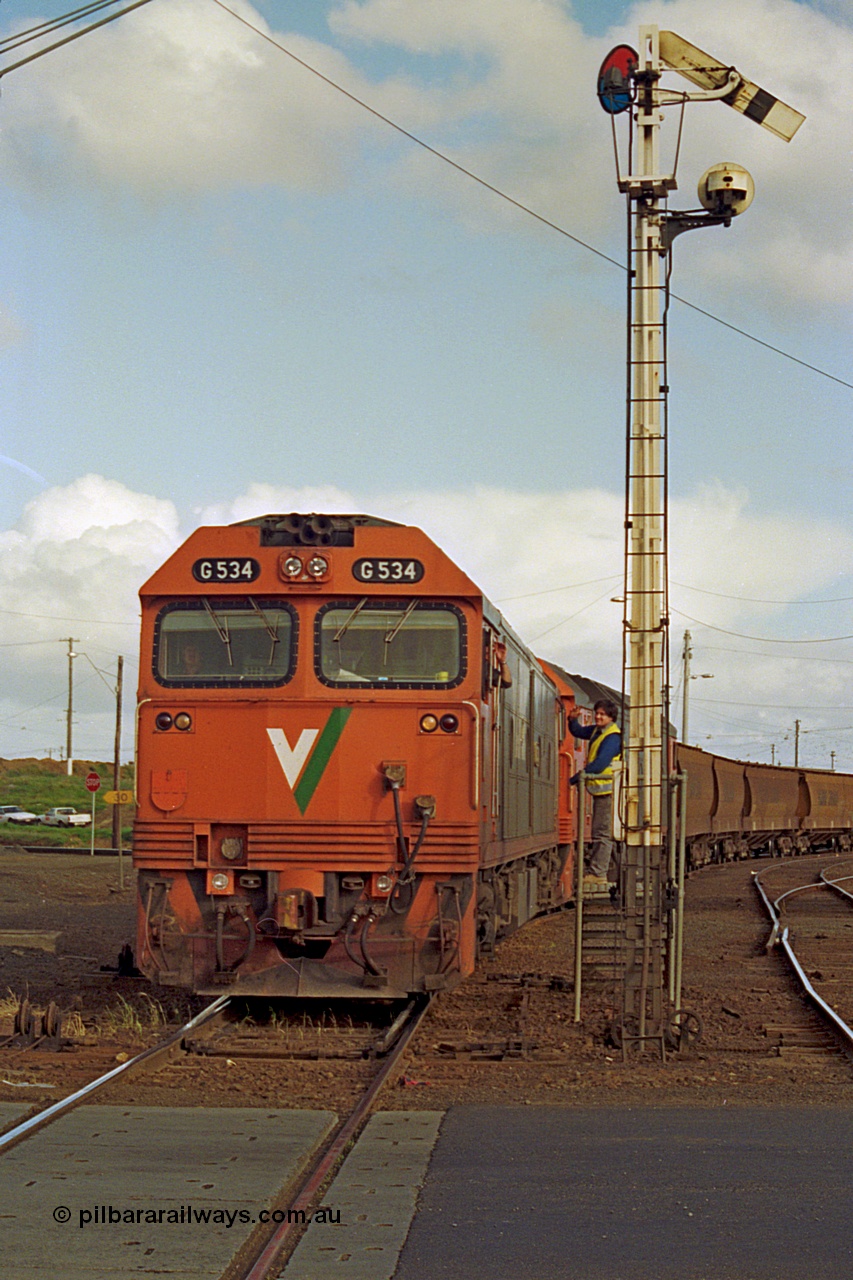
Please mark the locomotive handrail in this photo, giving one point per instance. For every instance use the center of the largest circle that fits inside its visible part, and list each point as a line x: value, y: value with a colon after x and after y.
x: 139, y: 705
x: 475, y: 714
x: 579, y: 898
x: 680, y: 878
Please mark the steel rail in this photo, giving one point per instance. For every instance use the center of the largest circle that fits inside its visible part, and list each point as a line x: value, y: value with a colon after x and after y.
x: 270, y: 1253
x: 835, y: 885
x: 777, y: 939
x: 147, y: 1058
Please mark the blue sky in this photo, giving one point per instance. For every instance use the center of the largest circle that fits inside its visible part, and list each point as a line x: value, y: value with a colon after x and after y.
x: 218, y: 273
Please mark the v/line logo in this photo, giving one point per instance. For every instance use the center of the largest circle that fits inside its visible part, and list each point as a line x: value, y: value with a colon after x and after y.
x: 304, y: 763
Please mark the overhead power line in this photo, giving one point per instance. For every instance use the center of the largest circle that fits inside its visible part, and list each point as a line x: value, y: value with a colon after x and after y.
x: 45, y: 28
x: 754, y: 600
x: 503, y: 195
x: 760, y: 639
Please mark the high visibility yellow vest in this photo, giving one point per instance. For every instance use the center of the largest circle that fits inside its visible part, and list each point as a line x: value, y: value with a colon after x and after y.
x: 601, y: 784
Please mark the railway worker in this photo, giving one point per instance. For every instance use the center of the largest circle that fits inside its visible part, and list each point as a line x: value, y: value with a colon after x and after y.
x: 605, y: 749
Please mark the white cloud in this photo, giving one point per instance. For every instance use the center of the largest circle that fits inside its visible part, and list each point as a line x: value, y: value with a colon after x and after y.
x: 73, y: 567
x: 550, y: 561
x: 180, y: 97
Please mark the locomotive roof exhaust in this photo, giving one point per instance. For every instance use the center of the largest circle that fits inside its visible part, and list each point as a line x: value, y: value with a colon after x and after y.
x: 314, y: 530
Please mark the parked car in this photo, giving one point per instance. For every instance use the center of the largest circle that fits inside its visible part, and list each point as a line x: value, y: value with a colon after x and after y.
x: 66, y: 817
x: 14, y: 813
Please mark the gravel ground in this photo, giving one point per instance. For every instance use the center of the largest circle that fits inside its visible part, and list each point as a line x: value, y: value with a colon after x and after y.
x: 742, y: 995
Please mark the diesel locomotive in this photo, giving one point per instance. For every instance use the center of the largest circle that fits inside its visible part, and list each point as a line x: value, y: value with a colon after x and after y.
x: 352, y: 776
x: 351, y: 772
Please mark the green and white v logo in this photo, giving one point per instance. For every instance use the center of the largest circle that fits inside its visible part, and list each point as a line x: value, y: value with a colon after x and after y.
x: 301, y: 760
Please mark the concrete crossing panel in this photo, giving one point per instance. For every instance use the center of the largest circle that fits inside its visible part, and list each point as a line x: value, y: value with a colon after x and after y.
x: 107, y: 1193
x: 374, y: 1197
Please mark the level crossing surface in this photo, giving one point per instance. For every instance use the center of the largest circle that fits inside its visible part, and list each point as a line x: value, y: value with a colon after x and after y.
x: 473, y: 1193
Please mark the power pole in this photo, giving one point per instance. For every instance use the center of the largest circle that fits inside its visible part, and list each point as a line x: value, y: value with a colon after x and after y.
x: 117, y: 756
x: 832, y: 761
x: 68, y: 748
x: 796, y: 743
x: 686, y: 655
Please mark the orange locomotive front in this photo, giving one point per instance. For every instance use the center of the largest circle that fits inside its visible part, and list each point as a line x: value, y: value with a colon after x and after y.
x: 348, y: 766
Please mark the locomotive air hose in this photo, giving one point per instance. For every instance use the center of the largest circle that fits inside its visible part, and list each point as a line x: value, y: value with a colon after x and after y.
x: 351, y: 923
x: 370, y: 965
x: 405, y: 880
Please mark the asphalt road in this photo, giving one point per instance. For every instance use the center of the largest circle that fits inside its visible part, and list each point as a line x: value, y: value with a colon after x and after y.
x: 524, y: 1193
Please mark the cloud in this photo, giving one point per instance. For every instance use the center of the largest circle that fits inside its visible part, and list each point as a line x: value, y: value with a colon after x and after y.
x: 73, y: 567
x: 181, y: 98
x: 552, y: 562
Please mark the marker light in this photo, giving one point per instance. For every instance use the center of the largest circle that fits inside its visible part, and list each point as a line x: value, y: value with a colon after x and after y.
x: 183, y: 721
x: 220, y: 882
x: 163, y: 721
x: 429, y: 723
x: 384, y: 884
x: 449, y: 723
x: 292, y: 567
x: 318, y: 566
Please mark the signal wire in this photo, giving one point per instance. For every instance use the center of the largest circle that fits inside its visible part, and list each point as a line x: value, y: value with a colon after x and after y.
x: 468, y: 173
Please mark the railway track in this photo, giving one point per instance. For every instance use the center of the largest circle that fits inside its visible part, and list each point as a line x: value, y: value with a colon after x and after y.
x: 267, y: 1251
x: 150, y: 1059
x: 812, y: 926
x: 214, y: 1033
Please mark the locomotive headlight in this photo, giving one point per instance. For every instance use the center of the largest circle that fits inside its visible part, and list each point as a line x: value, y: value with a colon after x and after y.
x: 449, y: 723
x: 292, y: 567
x: 231, y: 848
x: 429, y: 723
x: 163, y: 721
x: 183, y: 721
x: 384, y: 884
x: 318, y: 566
x: 220, y: 882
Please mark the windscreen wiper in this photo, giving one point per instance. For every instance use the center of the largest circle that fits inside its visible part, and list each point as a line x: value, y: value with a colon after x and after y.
x: 221, y: 631
x: 272, y: 631
x: 389, y: 635
x: 356, y: 611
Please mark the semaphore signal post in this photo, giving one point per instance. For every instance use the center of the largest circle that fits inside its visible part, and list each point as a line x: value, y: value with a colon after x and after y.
x: 630, y: 82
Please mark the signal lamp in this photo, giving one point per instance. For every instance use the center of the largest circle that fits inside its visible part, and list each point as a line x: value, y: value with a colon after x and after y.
x: 384, y: 884
x: 183, y: 721
x: 292, y: 567
x: 163, y: 721
x: 318, y: 566
x: 429, y: 723
x: 220, y: 882
x: 449, y: 723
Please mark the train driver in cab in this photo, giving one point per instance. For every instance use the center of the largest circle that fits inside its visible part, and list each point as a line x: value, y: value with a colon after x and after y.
x: 605, y: 749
